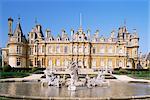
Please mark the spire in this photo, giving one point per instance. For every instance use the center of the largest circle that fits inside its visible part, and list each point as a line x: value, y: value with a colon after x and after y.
x: 35, y: 20
x: 124, y: 22
x: 18, y: 28
x: 80, y: 20
x: 18, y: 19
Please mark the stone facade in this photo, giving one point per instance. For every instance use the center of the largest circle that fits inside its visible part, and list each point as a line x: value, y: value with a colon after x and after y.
x: 89, y: 51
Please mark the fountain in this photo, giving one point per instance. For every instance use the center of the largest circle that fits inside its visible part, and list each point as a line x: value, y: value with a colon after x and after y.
x: 74, y: 82
x: 75, y: 87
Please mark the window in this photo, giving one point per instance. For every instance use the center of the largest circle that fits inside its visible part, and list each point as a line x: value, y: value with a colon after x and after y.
x: 120, y: 63
x: 102, y: 49
x: 67, y: 39
x: 43, y: 61
x: 39, y: 49
x: 18, y: 50
x: 18, y: 62
x: 86, y: 50
x: 35, y: 48
x: 66, y: 63
x: 80, y: 64
x: 75, y: 49
x: 35, y: 61
x: 109, y: 63
x: 49, y: 49
x: 102, y: 63
x: 135, y: 52
x: 43, y: 48
x: 86, y: 62
x: 94, y: 50
x: 31, y: 63
x: 58, y: 62
x: 31, y: 35
x: 50, y: 63
x: 120, y: 50
x: 93, y: 63
x: 58, y: 49
x: 31, y: 41
x: 18, y: 37
x: 80, y: 38
x: 31, y: 51
x: 80, y: 49
x: 110, y: 49
x: 66, y: 49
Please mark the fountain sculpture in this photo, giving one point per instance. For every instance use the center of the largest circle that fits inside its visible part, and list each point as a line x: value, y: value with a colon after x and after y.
x: 74, y: 82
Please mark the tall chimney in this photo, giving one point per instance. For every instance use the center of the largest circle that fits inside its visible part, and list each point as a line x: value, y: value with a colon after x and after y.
x: 10, y: 29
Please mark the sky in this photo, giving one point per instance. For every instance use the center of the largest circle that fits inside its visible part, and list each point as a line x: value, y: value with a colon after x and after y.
x: 105, y: 15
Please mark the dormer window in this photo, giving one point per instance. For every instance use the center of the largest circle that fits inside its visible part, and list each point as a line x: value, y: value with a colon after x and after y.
x: 67, y: 39
x: 32, y: 35
x: 58, y: 39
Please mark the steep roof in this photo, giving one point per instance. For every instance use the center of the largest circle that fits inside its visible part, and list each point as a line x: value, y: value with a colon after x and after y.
x: 18, y: 30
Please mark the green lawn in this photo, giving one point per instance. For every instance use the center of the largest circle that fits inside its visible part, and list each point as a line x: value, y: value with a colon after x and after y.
x: 140, y: 75
x: 13, y: 74
x: 134, y: 74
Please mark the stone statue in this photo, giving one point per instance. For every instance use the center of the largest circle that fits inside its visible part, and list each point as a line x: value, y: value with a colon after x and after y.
x: 112, y: 34
x: 74, y: 75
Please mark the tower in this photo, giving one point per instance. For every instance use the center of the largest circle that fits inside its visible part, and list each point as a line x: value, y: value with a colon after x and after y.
x: 18, y: 56
x: 10, y: 28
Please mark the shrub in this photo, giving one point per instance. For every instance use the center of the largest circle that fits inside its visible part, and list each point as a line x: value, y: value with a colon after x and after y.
x: 123, y: 71
x: 7, y: 68
x: 35, y: 69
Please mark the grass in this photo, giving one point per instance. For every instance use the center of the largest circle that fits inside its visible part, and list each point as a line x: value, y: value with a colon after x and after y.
x: 13, y: 74
x: 140, y: 75
x: 134, y: 74
x: 5, y: 98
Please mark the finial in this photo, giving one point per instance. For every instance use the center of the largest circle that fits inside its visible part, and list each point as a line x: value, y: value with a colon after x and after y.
x: 134, y: 30
x: 80, y: 20
x: 124, y: 22
x: 35, y: 20
x: 18, y: 18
